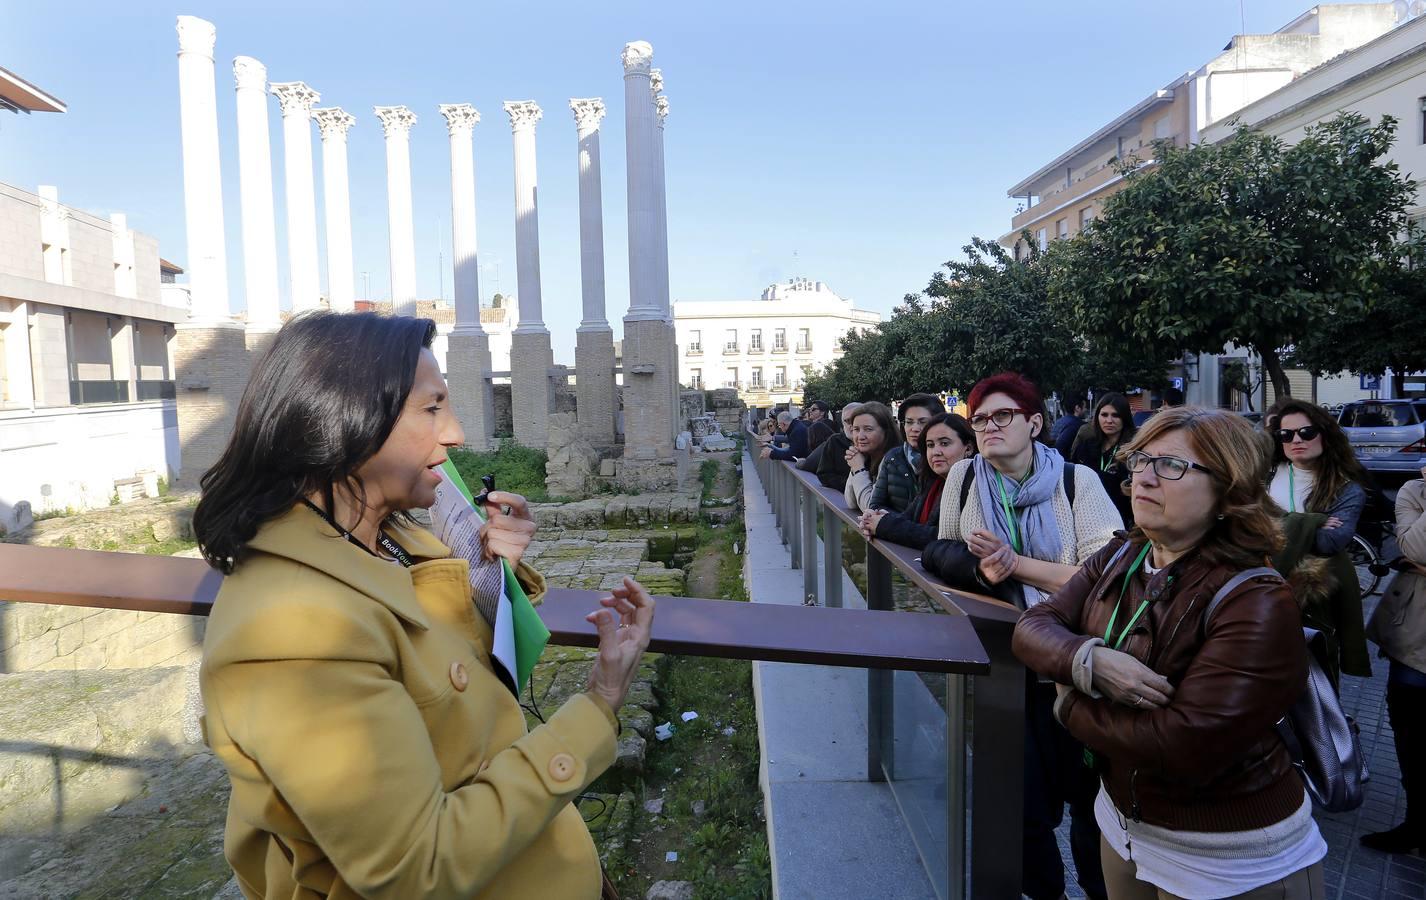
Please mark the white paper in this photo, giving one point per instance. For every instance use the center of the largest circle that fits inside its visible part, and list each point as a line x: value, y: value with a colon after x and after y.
x: 457, y: 525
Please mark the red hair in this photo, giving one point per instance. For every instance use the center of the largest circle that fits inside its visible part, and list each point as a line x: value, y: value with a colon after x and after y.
x: 1015, y: 386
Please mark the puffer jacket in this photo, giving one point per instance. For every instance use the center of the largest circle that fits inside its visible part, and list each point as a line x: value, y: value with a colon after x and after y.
x: 896, y: 481
x: 1211, y: 759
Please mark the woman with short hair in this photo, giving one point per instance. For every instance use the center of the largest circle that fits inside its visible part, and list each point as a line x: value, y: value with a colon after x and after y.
x: 897, y: 478
x: 372, y: 746
x: 1199, y: 797
x: 872, y: 434
x: 946, y: 440
x: 1111, y: 427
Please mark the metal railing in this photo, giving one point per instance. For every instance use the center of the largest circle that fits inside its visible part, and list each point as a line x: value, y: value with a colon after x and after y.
x: 936, y: 754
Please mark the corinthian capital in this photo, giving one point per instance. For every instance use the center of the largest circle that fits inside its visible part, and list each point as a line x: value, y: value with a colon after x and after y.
x: 523, y: 113
x: 638, y: 57
x: 655, y: 81
x: 661, y: 108
x: 249, y: 73
x: 459, y: 117
x: 295, y: 97
x: 196, y: 35
x: 333, y: 122
x: 396, y: 121
x: 587, y: 113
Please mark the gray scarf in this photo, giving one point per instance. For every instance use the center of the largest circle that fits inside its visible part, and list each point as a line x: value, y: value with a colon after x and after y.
x: 1031, y: 501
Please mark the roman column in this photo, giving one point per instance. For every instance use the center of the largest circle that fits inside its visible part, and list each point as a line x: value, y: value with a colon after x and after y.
x: 210, y: 355
x: 650, y: 379
x: 297, y: 100
x: 530, y: 354
x: 202, y: 173
x: 255, y: 191
x: 333, y: 123
x: 661, y: 240
x: 594, y: 339
x: 396, y: 122
x: 468, y: 347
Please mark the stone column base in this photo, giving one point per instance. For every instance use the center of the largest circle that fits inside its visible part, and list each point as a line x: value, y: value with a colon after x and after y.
x: 594, y: 385
x: 212, y: 364
x: 650, y: 386
x: 467, y: 375
x: 530, y: 363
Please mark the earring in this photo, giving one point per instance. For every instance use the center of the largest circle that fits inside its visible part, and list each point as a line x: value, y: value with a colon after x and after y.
x: 1220, y: 517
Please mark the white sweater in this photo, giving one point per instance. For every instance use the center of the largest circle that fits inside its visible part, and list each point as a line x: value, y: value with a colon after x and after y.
x: 1084, y: 530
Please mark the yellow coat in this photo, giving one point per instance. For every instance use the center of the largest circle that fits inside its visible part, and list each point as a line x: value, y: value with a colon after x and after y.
x: 372, y: 750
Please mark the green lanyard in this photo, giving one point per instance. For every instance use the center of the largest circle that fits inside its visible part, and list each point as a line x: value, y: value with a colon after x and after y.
x: 1009, y: 513
x: 1106, y: 463
x: 1109, y: 630
x: 1291, y: 490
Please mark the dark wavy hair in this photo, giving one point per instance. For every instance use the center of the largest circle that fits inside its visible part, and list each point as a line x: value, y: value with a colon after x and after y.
x: 956, y: 423
x: 882, y: 413
x: 1121, y: 406
x: 1247, y: 532
x: 1335, y: 468
x: 320, y: 402
x: 1018, y: 388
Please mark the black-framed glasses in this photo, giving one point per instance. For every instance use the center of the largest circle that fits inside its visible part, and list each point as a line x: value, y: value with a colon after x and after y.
x: 1169, y: 468
x: 1001, y: 417
x: 1306, y: 432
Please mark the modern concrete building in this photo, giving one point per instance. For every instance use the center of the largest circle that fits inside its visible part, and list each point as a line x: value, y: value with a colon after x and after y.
x: 765, y: 348
x: 1058, y: 198
x: 1385, y: 76
x: 86, y: 358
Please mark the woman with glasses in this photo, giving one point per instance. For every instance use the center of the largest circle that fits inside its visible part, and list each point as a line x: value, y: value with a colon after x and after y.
x: 946, y: 440
x: 1111, y: 427
x: 1178, y: 709
x: 896, y: 478
x: 1017, y: 521
x: 872, y: 434
x: 1317, y: 482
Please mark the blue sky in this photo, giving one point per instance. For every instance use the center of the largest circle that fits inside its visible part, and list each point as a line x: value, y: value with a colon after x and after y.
x: 857, y: 144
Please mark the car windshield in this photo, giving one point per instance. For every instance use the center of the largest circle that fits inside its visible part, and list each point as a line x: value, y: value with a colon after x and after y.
x: 1378, y: 415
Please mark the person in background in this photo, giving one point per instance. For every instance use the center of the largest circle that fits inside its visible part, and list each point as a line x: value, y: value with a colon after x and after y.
x: 818, y: 428
x: 872, y: 434
x: 896, y: 478
x: 1317, y: 481
x: 1398, y: 627
x: 1112, y: 427
x: 1066, y: 427
x: 1179, y: 710
x: 795, y: 431
x: 946, y: 440
x: 831, y: 457
x: 1014, y: 531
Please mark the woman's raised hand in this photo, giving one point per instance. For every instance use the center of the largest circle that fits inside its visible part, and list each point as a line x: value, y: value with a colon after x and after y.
x: 624, y: 622
x: 509, y: 527
x: 867, y: 523
x: 1124, y: 679
x: 855, y: 459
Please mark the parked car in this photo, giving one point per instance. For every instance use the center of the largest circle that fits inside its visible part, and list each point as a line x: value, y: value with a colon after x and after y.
x: 1387, y: 435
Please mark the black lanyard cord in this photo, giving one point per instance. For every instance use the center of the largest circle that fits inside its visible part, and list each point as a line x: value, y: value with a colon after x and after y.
x: 387, y: 542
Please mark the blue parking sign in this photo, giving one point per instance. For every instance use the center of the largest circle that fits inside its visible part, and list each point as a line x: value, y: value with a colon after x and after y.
x: 1371, y: 382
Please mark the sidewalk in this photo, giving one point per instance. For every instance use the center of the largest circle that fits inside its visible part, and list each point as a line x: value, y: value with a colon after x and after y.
x: 1352, y: 871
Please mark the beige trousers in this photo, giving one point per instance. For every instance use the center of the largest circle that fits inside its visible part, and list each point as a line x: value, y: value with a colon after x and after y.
x: 1122, y: 884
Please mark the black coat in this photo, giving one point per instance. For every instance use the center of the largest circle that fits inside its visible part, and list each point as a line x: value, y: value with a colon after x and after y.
x: 832, y: 468
x: 1112, y: 474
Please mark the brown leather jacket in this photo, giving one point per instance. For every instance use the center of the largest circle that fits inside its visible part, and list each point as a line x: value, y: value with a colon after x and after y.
x: 1210, y: 760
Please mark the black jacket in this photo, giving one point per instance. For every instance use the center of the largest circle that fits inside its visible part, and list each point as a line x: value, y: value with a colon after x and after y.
x: 832, y: 468
x: 908, y: 529
x: 1112, y: 474
x: 895, y: 480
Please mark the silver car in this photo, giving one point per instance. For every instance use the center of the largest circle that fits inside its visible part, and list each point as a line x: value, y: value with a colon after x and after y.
x: 1387, y: 435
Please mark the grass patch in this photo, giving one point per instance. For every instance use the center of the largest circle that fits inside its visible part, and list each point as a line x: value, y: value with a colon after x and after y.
x: 708, y: 472
x: 516, y: 468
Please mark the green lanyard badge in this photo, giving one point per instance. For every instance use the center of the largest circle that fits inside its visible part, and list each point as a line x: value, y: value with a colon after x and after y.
x: 1291, y: 490
x: 1009, y: 513
x: 1128, y: 576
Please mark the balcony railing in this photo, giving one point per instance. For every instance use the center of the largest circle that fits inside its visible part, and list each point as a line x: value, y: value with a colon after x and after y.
x: 730, y: 349
x: 755, y: 347
x: 804, y: 348
x: 694, y: 350
x: 85, y: 392
x: 779, y: 347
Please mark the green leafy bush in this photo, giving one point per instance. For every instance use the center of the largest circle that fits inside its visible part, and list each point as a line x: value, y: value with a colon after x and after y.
x: 516, y: 468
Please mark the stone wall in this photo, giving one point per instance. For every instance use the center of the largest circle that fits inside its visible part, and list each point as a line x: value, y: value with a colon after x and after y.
x: 213, y: 365
x: 41, y: 637
x: 571, y: 461
x: 504, y: 418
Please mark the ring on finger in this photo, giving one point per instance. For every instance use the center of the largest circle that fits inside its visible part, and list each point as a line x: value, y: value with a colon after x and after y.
x: 1138, y: 700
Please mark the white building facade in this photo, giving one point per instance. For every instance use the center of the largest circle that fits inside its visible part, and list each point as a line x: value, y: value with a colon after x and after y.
x: 86, y: 358
x: 765, y: 348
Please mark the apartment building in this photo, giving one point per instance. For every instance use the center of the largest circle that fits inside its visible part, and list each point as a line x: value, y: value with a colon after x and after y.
x: 765, y: 348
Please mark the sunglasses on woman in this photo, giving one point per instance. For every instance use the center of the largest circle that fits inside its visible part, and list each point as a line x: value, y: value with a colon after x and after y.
x: 1306, y: 432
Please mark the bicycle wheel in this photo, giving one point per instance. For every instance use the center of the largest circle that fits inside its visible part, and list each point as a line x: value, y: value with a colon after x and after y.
x: 1363, y: 556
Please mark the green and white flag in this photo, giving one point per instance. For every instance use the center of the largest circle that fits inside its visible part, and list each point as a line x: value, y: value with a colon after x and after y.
x: 519, y: 635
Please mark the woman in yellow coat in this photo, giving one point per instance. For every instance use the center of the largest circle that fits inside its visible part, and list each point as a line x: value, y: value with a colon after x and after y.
x: 373, y: 750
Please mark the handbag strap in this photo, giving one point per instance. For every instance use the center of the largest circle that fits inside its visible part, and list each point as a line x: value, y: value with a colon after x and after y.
x: 1232, y: 583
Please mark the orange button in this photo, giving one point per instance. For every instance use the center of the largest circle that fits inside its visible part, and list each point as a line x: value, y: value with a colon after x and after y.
x: 459, y: 677
x: 561, y: 767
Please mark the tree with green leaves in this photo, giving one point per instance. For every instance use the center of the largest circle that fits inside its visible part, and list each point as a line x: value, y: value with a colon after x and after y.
x: 1247, y: 241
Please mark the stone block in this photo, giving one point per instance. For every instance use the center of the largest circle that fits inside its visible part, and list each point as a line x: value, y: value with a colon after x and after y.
x: 212, y: 364
x: 69, y: 638
x: 606, y: 468
x: 33, y: 653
